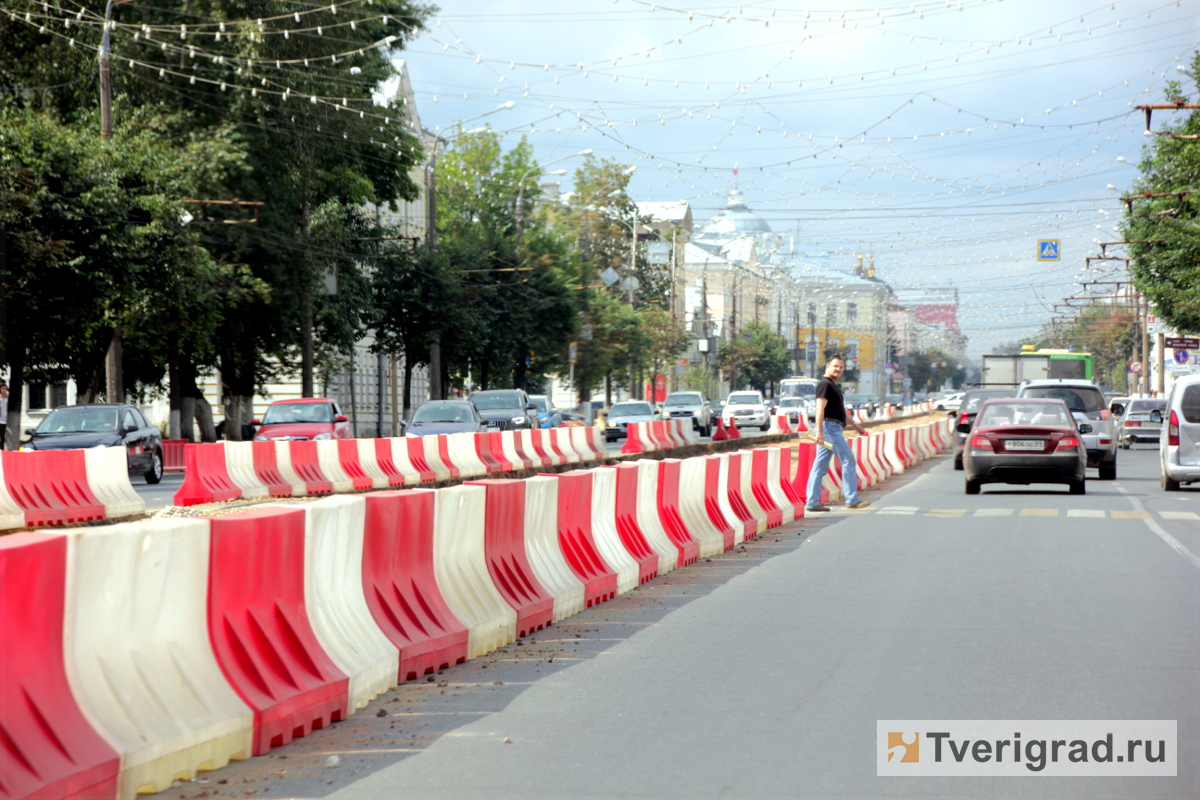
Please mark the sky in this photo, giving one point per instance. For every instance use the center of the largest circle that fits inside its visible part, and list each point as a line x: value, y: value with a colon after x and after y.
x: 944, y: 138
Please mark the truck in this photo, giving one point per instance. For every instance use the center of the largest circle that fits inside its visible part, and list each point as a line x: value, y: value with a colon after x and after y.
x: 1013, y: 370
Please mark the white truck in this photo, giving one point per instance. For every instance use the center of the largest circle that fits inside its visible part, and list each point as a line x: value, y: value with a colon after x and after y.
x: 1004, y: 371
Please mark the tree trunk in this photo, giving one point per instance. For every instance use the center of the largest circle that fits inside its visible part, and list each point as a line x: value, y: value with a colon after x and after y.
x: 204, y: 417
x: 174, y: 395
x: 187, y: 418
x: 408, y: 373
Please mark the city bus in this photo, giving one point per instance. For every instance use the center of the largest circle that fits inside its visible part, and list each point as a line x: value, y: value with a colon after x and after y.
x: 798, y: 387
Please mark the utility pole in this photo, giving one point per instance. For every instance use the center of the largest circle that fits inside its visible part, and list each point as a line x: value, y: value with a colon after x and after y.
x: 435, y: 349
x: 114, y: 383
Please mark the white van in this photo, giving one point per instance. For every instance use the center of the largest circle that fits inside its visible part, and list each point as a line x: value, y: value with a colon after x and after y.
x: 1179, y: 444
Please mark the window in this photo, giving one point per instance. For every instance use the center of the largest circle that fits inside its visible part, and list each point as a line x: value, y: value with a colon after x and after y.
x: 37, y: 395
x: 129, y: 423
x: 812, y: 314
x: 831, y: 314
x: 851, y: 313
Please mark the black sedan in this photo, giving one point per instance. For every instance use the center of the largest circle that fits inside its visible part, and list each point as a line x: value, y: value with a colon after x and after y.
x: 506, y: 409
x: 444, y: 416
x: 1022, y: 442
x: 103, y: 425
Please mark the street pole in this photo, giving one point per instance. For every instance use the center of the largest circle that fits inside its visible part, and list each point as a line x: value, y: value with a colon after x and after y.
x: 1159, y: 357
x: 114, y: 375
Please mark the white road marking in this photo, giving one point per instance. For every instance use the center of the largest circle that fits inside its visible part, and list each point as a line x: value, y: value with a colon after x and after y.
x: 1091, y: 513
x: 1171, y: 541
x: 993, y: 512
x: 1179, y: 515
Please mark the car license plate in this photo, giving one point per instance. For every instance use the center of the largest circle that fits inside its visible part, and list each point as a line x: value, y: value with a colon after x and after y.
x: 1025, y: 444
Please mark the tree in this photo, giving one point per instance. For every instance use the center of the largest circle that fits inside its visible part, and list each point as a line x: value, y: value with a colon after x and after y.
x: 1165, y: 231
x: 758, y: 358
x: 931, y: 369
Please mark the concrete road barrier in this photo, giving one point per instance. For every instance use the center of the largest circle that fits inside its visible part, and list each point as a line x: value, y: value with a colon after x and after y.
x: 138, y: 655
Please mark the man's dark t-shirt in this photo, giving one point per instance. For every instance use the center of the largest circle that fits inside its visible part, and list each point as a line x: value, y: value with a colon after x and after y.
x: 835, y: 407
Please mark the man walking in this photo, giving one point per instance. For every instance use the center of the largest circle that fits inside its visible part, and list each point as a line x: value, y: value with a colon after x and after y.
x: 830, y: 422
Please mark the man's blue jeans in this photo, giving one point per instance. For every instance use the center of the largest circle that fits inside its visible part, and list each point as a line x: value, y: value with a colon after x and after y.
x: 835, y: 436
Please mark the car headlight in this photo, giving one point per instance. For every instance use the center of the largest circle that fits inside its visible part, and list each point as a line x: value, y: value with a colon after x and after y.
x: 518, y: 420
x: 320, y: 437
x: 696, y: 413
x: 25, y: 448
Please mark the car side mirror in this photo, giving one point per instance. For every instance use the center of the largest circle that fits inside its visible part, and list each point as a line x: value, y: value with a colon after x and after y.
x: 1085, y: 428
x: 1155, y: 416
x: 29, y: 431
x: 340, y: 418
x: 531, y: 407
x: 1117, y: 409
x: 256, y: 422
x: 963, y: 427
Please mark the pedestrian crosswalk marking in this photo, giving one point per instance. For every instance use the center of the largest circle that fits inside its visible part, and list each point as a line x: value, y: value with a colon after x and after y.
x: 1178, y: 515
x: 1130, y: 514
x: 1039, y: 512
x: 946, y: 512
x: 899, y: 510
x: 993, y: 512
x: 1091, y: 513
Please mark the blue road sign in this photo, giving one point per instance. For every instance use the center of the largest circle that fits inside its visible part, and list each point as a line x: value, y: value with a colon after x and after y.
x: 908, y: 381
x: 1048, y: 250
x: 1181, y: 356
x: 812, y: 348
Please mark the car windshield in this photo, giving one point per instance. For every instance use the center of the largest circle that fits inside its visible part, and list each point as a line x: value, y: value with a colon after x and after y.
x: 293, y: 413
x: 80, y: 420
x: 631, y: 410
x: 789, y: 402
x: 496, y: 402
x: 745, y: 399
x: 973, y: 401
x: 443, y: 412
x: 1146, y: 406
x: 1015, y: 413
x: 1077, y: 398
x: 540, y: 402
x: 684, y: 399
x: 858, y: 398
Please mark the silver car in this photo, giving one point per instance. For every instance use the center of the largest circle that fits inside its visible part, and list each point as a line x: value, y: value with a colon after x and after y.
x: 691, y: 406
x: 1135, y: 424
x: 621, y: 414
x: 1179, y: 449
x: 1087, y: 405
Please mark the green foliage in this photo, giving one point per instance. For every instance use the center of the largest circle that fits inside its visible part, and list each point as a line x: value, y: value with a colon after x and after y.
x: 759, y: 357
x: 931, y: 369
x: 700, y: 379
x: 1166, y: 230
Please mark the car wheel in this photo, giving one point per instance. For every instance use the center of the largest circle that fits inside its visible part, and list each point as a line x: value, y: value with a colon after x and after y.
x: 973, y: 487
x: 155, y: 473
x: 1079, y: 487
x: 958, y: 465
x: 765, y: 427
x: 1168, y: 483
x: 1108, y: 471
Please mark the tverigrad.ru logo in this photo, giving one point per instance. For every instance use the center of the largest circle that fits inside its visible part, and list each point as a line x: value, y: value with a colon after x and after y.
x: 1085, y: 748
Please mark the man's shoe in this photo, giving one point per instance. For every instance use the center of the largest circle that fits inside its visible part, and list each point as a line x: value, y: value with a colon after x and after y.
x: 860, y: 504
x: 816, y: 508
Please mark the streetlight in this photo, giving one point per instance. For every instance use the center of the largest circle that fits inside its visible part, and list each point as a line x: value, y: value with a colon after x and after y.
x: 521, y: 186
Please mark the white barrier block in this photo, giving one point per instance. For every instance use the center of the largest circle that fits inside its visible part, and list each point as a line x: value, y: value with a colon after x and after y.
x: 596, y: 437
x: 433, y: 457
x: 581, y: 440
x: 773, y: 486
x: 691, y: 508
x: 739, y: 530
x: 604, y: 529
x: 368, y: 459
x: 648, y: 519
x: 747, y: 489
x: 239, y: 463
x: 543, y: 549
x: 108, y: 477
x: 283, y: 461
x: 412, y: 475
x: 330, y: 462
x: 562, y: 438
x: 460, y: 565
x: 891, y: 453
x: 138, y: 656
x: 337, y: 605
x: 508, y: 444
x: 11, y: 514
x: 465, y: 456
x: 526, y: 440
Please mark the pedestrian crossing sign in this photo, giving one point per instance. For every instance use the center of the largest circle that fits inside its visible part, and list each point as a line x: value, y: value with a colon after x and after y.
x: 1048, y: 250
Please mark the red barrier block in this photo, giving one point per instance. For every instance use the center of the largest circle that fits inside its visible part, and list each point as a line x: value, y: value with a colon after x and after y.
x: 307, y: 466
x: 174, y: 455
x: 716, y: 515
x: 542, y: 448
x: 627, y: 525
x: 504, y: 548
x: 577, y: 541
x: 444, y: 453
x: 785, y: 481
x: 721, y: 434
x: 758, y: 485
x: 733, y: 487
x: 496, y: 444
x: 634, y: 443
x: 806, y: 455
x: 383, y: 455
x: 483, y: 447
x: 260, y: 630
x: 416, y: 457
x: 519, y: 447
x: 669, y: 514
x: 206, y: 479
x: 348, y: 458
x: 48, y: 749
x: 51, y: 486
x: 266, y: 467
x: 400, y: 586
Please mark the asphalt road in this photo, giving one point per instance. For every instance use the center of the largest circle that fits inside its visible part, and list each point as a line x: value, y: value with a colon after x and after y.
x: 763, y: 672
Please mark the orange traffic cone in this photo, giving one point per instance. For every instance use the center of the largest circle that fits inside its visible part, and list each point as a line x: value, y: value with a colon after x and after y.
x: 732, y: 430
x: 720, y: 435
